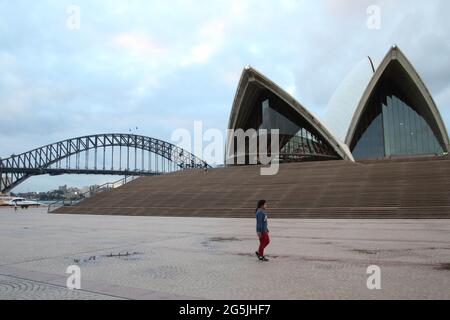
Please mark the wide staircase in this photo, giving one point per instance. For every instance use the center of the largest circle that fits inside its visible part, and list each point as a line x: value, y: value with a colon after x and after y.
x: 406, y: 188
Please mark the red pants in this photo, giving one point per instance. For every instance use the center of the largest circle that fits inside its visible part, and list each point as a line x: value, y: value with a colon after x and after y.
x: 263, y: 242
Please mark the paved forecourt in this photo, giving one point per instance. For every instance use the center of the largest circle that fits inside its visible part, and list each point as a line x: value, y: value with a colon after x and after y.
x: 199, y: 258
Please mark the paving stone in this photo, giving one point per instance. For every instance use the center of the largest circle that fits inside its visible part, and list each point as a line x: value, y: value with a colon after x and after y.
x: 199, y: 258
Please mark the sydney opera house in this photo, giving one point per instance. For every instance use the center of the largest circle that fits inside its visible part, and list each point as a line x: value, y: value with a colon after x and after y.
x: 381, y: 151
x: 395, y: 117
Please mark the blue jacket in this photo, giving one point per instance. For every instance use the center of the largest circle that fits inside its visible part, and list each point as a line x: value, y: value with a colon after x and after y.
x: 261, y: 221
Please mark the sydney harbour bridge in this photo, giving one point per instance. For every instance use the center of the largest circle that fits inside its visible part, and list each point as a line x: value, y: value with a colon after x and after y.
x: 101, y: 154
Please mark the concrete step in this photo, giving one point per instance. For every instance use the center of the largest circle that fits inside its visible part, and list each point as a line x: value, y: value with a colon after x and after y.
x: 412, y: 188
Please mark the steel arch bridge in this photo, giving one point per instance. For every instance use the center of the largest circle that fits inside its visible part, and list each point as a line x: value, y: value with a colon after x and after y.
x: 106, y: 154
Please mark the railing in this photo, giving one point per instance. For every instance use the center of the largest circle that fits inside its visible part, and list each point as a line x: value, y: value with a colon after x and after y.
x: 104, y: 187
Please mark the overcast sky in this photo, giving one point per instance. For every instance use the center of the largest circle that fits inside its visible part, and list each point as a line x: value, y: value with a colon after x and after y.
x: 160, y: 65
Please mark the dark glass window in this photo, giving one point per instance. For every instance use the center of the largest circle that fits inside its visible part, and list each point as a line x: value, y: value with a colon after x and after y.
x: 299, y: 141
x: 371, y: 143
x: 391, y: 127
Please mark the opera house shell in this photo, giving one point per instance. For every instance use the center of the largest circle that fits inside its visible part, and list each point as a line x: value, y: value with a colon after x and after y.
x: 395, y: 117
